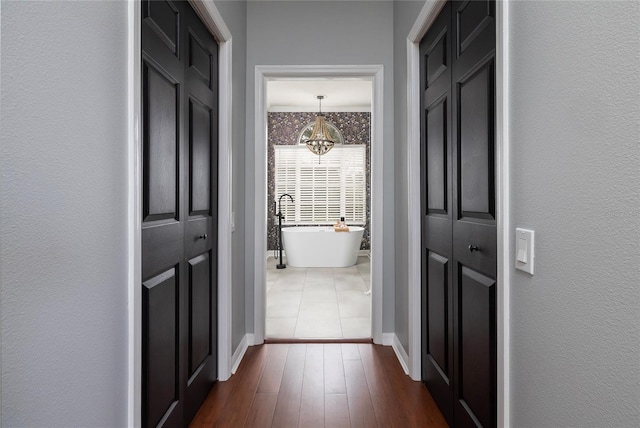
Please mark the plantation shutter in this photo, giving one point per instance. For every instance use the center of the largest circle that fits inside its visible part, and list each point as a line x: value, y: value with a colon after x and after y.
x: 322, y: 191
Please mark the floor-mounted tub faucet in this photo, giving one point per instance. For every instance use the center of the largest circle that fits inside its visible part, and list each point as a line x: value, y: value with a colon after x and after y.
x: 281, y: 265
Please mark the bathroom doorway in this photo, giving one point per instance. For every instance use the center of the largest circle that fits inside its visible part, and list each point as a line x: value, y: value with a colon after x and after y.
x: 313, y: 293
x: 265, y: 74
x: 318, y: 285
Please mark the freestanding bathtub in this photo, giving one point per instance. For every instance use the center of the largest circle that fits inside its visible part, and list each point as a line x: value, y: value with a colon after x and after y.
x: 321, y: 246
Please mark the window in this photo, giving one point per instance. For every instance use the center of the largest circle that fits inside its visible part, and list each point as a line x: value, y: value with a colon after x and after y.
x: 322, y: 191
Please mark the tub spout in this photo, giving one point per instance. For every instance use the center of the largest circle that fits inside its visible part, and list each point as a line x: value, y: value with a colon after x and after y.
x: 282, y: 196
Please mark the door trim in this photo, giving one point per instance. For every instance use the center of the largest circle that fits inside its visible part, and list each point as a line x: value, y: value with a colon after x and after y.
x: 263, y: 73
x: 215, y: 24
x: 425, y: 19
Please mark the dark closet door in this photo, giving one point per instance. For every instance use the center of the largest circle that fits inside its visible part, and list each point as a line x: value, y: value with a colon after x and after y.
x: 179, y: 225
x: 474, y: 225
x: 470, y: 297
x: 436, y: 204
x: 201, y: 196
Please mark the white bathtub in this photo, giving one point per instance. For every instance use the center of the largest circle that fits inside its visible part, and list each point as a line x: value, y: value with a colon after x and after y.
x: 321, y: 246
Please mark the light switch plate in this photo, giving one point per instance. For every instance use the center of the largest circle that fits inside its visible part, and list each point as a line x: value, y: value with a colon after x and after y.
x: 524, y: 250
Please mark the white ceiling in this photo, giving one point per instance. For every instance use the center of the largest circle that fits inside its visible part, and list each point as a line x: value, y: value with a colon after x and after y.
x: 300, y: 95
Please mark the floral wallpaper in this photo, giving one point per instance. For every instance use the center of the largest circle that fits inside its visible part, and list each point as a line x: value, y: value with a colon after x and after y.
x: 285, y: 127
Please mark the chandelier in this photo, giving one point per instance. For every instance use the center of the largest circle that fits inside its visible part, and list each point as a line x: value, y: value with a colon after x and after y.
x: 320, y: 141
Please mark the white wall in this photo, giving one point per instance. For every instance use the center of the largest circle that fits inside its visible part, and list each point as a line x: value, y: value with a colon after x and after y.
x: 63, y: 223
x: 575, y: 168
x: 234, y: 14
x: 355, y: 33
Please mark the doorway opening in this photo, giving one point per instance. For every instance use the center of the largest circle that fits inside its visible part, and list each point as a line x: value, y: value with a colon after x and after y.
x: 265, y: 75
x: 321, y: 287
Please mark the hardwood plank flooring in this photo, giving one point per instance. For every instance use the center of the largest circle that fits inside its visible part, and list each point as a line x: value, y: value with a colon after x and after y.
x: 387, y: 406
x: 262, y: 408
x: 288, y: 404
x: 312, y: 400
x: 336, y: 411
x: 319, y: 385
x: 272, y: 375
x: 333, y: 370
x: 361, y: 413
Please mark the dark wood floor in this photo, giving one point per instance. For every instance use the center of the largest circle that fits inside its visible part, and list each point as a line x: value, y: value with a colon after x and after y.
x: 319, y: 385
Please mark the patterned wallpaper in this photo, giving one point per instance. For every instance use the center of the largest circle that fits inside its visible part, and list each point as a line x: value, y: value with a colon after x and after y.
x: 285, y: 127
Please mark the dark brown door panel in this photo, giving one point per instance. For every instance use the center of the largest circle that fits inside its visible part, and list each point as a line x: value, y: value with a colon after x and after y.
x: 179, y: 225
x: 459, y: 246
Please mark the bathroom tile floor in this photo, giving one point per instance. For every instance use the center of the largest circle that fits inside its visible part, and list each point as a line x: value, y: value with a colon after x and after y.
x: 318, y: 303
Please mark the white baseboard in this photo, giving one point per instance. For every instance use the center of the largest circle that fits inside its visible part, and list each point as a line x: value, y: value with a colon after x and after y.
x: 387, y: 339
x: 251, y: 341
x: 402, y: 355
x: 390, y: 339
x: 236, y: 358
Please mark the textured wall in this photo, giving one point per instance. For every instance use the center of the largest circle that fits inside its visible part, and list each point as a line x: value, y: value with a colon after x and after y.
x: 358, y: 32
x: 575, y: 168
x: 63, y: 228
x: 285, y: 127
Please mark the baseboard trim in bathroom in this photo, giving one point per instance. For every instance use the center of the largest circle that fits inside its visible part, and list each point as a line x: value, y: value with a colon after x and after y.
x: 365, y: 340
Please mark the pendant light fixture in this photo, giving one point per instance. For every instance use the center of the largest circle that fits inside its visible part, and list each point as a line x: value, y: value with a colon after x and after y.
x: 320, y: 141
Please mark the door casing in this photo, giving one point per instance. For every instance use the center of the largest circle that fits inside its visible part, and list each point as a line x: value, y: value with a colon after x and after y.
x: 213, y: 21
x: 425, y: 19
x: 317, y: 72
